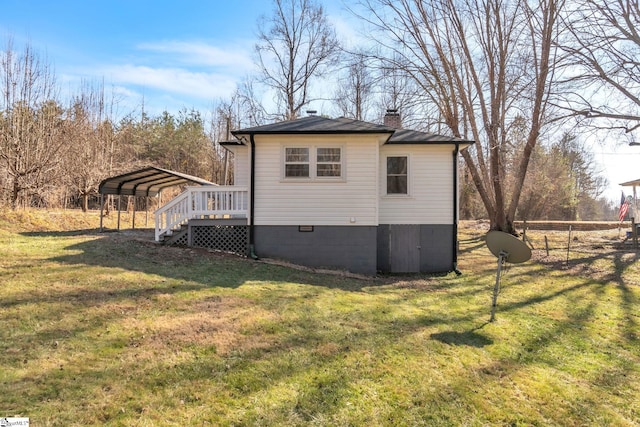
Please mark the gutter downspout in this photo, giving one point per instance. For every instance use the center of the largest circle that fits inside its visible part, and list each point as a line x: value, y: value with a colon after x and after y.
x: 252, y: 193
x: 455, y: 210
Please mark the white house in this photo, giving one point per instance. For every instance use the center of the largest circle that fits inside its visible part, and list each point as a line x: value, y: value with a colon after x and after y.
x: 337, y: 193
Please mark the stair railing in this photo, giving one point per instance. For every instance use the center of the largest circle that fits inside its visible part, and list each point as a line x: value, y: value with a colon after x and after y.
x: 201, y: 202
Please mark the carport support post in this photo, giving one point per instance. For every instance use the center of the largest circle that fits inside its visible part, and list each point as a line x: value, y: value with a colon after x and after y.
x: 133, y: 221
x: 101, y: 209
x: 119, y: 199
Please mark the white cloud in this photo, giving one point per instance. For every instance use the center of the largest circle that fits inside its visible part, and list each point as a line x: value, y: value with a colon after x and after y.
x: 123, y: 92
x: 351, y: 30
x: 172, y: 74
x: 180, y: 81
x: 347, y: 32
x: 202, y: 54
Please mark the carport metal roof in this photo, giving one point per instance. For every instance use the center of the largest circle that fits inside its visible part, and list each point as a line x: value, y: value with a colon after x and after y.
x: 147, y: 182
x: 635, y: 182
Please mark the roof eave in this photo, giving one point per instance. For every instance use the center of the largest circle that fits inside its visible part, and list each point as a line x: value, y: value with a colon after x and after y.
x: 313, y: 132
x: 459, y: 143
x: 633, y: 183
x: 231, y: 143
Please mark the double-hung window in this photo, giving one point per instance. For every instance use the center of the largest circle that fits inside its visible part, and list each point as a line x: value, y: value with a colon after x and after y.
x: 314, y: 162
x: 296, y: 162
x: 328, y: 162
x: 397, y: 175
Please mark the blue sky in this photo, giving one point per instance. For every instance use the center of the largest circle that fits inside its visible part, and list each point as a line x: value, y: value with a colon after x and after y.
x: 174, y: 54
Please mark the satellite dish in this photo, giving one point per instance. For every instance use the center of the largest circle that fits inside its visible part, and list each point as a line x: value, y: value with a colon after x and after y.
x: 507, y: 248
x: 513, y: 249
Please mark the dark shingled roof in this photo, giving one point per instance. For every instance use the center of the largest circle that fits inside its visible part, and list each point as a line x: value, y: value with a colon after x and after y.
x: 316, y: 125
x: 342, y: 125
x: 406, y: 136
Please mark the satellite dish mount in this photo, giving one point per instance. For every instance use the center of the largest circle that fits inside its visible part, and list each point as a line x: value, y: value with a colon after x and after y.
x: 507, y: 248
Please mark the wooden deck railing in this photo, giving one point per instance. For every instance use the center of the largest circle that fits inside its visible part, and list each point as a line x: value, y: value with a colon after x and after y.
x: 201, y: 202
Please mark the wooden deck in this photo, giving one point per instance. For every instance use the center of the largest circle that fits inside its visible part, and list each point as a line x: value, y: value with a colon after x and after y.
x: 204, y: 202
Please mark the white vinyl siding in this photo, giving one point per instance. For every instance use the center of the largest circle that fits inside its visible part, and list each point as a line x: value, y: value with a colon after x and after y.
x: 430, y: 186
x: 349, y: 200
x: 241, y: 166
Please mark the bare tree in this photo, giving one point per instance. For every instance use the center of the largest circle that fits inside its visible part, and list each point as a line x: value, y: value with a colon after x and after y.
x: 249, y: 110
x: 601, y: 65
x: 296, y: 45
x: 398, y: 91
x: 242, y: 109
x: 31, y: 122
x: 485, y: 65
x: 90, y: 137
x: 355, y: 89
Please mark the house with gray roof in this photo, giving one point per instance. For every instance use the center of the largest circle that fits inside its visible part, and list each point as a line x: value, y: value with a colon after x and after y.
x: 331, y: 193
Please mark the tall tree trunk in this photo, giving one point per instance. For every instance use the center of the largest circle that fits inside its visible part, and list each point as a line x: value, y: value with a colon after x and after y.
x: 15, y: 193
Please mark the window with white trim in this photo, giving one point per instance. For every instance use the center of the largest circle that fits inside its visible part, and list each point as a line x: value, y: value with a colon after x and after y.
x: 329, y: 162
x: 397, y: 175
x: 296, y: 162
x: 314, y: 162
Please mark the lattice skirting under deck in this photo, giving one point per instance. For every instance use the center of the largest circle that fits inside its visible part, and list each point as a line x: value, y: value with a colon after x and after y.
x: 182, y: 240
x: 225, y: 238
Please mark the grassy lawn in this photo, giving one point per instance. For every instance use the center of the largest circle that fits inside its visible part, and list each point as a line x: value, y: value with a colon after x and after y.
x: 110, y: 328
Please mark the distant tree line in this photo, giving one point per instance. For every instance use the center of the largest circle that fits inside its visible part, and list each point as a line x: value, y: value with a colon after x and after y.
x: 55, y: 155
x: 564, y: 183
x: 528, y: 82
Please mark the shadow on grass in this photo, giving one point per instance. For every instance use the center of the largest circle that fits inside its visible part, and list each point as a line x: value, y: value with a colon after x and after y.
x: 66, y: 233
x: 193, y: 269
x: 135, y: 250
x: 582, y: 311
x: 469, y: 338
x: 472, y: 244
x: 620, y: 260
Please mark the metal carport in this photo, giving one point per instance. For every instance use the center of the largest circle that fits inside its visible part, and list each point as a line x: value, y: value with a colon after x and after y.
x: 634, y: 184
x: 146, y: 182
x: 634, y: 220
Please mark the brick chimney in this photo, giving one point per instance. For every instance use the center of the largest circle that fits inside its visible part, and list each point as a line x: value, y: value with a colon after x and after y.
x: 392, y: 119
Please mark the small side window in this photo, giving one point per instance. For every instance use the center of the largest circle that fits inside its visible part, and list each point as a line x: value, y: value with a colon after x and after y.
x: 397, y: 177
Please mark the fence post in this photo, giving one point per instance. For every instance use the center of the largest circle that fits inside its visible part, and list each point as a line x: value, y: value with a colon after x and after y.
x: 546, y: 244
x: 569, y: 244
x: 524, y: 234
